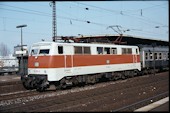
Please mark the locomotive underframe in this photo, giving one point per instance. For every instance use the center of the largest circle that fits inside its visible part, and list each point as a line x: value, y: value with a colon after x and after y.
x: 41, y: 83
x: 33, y: 81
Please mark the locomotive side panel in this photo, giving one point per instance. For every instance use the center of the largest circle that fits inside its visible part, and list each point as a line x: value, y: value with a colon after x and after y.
x: 59, y: 66
x: 98, y: 63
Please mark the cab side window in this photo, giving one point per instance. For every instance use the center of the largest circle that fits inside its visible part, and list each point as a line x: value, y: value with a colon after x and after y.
x: 34, y: 51
x: 100, y: 50
x: 44, y: 51
x: 60, y: 49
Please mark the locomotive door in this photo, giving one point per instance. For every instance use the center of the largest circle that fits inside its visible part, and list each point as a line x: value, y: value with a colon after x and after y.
x: 135, y: 58
x: 68, y: 64
x: 68, y: 60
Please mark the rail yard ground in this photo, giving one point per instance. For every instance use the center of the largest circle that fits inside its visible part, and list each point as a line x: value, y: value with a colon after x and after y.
x: 120, y: 95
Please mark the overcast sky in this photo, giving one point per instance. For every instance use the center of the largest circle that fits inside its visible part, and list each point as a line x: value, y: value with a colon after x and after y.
x: 147, y: 19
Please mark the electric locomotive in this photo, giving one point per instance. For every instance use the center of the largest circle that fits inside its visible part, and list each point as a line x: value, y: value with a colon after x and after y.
x: 66, y: 64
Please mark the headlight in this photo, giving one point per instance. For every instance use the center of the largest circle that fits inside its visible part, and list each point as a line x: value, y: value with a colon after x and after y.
x: 36, y: 64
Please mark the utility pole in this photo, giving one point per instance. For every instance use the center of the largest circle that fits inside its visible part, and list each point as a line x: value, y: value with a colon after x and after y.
x: 54, y: 31
x: 22, y: 63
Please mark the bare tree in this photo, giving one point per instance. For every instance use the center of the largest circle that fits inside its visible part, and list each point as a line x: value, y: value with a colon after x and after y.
x: 4, y: 50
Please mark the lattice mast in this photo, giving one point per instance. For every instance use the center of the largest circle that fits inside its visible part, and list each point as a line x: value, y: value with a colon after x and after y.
x: 54, y: 31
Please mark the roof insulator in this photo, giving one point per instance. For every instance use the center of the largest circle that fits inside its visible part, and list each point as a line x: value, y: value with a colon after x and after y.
x: 87, y: 8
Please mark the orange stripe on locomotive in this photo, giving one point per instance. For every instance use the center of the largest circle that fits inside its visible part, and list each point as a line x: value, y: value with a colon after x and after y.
x: 61, y: 61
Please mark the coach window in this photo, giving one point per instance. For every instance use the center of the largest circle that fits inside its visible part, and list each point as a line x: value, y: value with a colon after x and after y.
x: 168, y: 56
x: 60, y: 49
x: 87, y: 50
x: 160, y: 55
x: 163, y: 55
x: 146, y: 56
x: 151, y: 55
x: 100, y: 50
x: 114, y: 50
x: 155, y: 55
x: 106, y: 50
x: 78, y: 50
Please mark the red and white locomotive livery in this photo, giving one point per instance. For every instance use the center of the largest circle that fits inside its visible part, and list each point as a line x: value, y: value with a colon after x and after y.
x: 64, y: 64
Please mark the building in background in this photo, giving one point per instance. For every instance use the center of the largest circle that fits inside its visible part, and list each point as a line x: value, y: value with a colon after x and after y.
x: 18, y: 54
x: 9, y: 64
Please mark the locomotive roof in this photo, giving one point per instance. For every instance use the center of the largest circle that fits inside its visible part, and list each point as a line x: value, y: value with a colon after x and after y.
x: 81, y: 44
x: 129, y: 39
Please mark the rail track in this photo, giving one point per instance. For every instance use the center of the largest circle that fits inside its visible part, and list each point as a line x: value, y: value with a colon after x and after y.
x: 105, y: 96
x: 10, y: 88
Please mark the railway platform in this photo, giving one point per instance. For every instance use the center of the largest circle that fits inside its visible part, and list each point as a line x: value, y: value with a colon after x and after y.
x: 161, y: 105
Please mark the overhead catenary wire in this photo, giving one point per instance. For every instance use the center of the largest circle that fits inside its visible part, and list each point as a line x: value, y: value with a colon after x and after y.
x: 33, y: 11
x: 47, y: 15
x: 144, y: 19
x: 123, y: 14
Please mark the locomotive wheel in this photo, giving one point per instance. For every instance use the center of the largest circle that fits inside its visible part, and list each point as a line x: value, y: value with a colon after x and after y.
x: 123, y: 76
x: 131, y: 74
x: 25, y: 82
x: 42, y: 85
x: 75, y: 81
x: 63, y: 84
x: 91, y: 79
x: 111, y: 78
x: 117, y: 76
x: 40, y: 88
x: 25, y: 85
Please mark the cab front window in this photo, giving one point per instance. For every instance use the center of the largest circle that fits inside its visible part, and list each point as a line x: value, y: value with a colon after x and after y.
x: 34, y: 51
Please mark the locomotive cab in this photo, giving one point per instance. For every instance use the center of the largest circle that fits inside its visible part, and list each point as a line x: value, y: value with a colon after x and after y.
x: 38, y: 66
